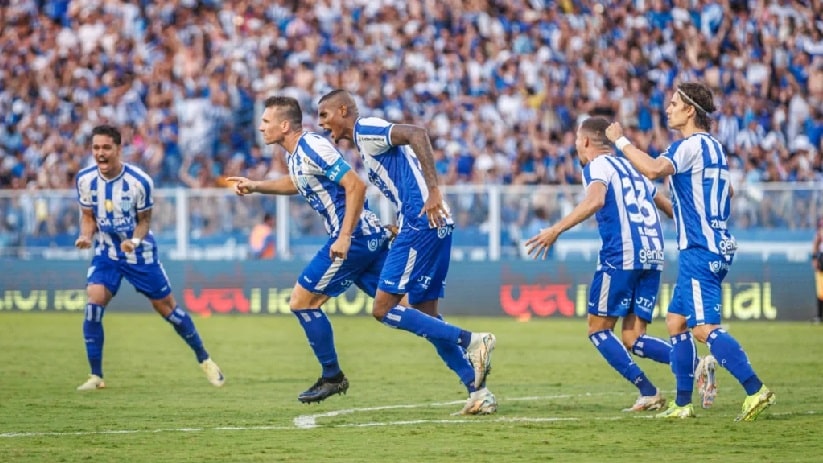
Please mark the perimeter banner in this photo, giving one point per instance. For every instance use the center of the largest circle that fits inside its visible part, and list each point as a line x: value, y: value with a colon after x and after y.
x: 520, y: 289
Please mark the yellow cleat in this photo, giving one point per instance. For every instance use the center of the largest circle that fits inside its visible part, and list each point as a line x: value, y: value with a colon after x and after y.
x: 755, y: 404
x: 675, y: 411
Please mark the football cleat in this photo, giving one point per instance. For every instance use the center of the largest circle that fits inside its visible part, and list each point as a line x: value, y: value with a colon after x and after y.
x: 646, y: 403
x: 324, y: 388
x: 479, y: 353
x: 480, y: 402
x: 675, y: 411
x: 706, y: 380
x: 213, y: 372
x: 755, y: 404
x: 93, y: 383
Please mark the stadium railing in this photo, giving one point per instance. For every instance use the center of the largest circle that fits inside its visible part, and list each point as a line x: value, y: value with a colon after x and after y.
x: 770, y: 221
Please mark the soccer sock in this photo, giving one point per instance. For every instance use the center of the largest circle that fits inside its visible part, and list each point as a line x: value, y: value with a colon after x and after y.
x: 426, y: 326
x: 93, y: 334
x: 320, y: 335
x: 652, y: 348
x: 683, y: 357
x: 455, y: 358
x: 618, y: 357
x: 184, y: 326
x: 728, y: 353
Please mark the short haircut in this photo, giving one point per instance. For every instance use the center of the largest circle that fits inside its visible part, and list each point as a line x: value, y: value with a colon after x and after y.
x: 332, y: 94
x: 288, y: 107
x: 700, y: 98
x: 595, y: 127
x: 109, y: 131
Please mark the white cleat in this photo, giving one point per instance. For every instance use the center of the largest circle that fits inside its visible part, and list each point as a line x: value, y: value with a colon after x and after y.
x: 479, y: 353
x: 706, y: 380
x: 213, y: 372
x: 646, y: 403
x: 92, y: 384
x: 480, y: 402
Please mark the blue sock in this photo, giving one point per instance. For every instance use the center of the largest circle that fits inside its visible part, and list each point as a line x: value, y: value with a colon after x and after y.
x: 652, y: 348
x: 425, y: 326
x: 93, y: 334
x: 728, y: 353
x: 684, y: 356
x: 321, y: 339
x: 455, y: 358
x: 184, y: 326
x: 618, y: 357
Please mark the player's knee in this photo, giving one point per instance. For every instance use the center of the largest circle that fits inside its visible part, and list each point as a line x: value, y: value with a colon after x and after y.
x: 629, y: 338
x: 379, y: 312
x: 676, y: 324
x: 701, y: 332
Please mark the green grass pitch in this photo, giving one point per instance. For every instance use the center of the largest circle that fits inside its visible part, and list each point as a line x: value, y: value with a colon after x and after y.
x: 558, y: 399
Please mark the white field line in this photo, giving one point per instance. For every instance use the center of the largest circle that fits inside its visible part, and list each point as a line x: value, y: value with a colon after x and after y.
x: 310, y: 421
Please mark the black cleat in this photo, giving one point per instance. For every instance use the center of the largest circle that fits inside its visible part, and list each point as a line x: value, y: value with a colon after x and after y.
x: 324, y: 388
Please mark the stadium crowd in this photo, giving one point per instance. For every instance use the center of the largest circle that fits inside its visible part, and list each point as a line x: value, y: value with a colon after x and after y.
x: 500, y: 85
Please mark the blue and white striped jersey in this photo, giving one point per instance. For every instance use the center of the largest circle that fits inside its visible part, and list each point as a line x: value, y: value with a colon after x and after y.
x: 628, y: 221
x: 395, y: 170
x: 115, y: 204
x: 701, y: 194
x: 316, y: 167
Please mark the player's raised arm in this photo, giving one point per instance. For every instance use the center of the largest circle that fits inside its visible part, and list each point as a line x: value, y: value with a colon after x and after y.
x: 650, y: 167
x: 280, y: 186
x: 417, y: 137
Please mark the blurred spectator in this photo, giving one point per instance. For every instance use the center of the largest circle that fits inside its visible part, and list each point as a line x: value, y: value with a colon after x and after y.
x: 500, y: 85
x: 261, y: 238
x: 492, y: 80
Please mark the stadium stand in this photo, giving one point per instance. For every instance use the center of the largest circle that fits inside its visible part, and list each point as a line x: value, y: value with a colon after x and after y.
x: 500, y: 85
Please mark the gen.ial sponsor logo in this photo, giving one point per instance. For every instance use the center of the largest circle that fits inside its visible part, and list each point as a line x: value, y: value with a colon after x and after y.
x: 651, y: 256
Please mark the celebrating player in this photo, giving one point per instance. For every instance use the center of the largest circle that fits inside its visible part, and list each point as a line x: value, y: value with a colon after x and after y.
x: 116, y: 203
x: 357, y: 244
x: 400, y: 163
x: 701, y: 196
x: 630, y: 262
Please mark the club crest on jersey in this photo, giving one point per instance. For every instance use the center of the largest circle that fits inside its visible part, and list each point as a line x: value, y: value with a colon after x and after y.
x: 125, y: 204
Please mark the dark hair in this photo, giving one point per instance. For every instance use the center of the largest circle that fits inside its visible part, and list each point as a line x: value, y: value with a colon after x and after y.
x: 331, y: 94
x: 700, y: 98
x: 596, y: 128
x: 109, y: 131
x: 289, y: 108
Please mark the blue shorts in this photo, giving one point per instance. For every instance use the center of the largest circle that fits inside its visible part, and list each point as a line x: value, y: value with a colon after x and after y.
x: 148, y: 279
x: 697, y: 294
x: 617, y: 293
x: 362, y: 267
x: 418, y: 263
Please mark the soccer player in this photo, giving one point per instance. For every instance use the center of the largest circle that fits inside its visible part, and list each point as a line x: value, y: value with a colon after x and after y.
x: 631, y: 258
x: 399, y: 161
x: 116, y: 203
x: 701, y: 196
x: 357, y: 244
